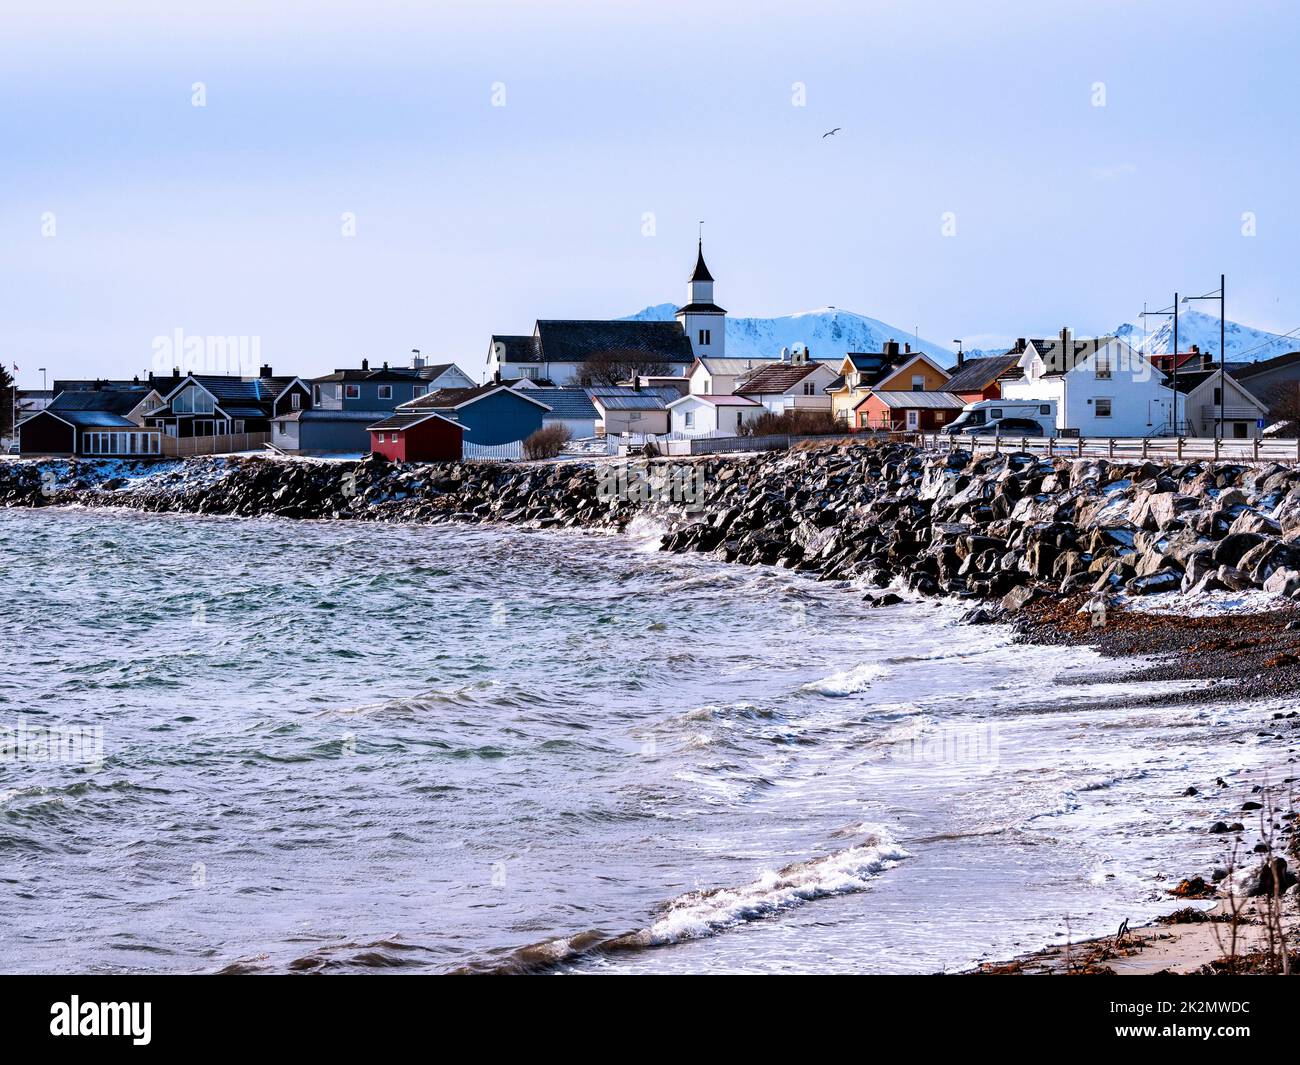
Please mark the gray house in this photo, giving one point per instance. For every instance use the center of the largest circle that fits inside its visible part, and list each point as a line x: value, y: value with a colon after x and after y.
x: 1274, y: 382
x: 334, y: 417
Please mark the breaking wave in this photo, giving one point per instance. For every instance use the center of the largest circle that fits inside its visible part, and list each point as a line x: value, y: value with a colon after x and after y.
x: 849, y: 681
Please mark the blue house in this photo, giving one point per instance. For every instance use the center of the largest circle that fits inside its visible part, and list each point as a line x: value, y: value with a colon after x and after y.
x: 493, y: 413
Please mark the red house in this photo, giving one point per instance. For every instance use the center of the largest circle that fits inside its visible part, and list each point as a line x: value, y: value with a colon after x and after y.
x: 976, y: 379
x: 418, y: 437
x: 906, y: 411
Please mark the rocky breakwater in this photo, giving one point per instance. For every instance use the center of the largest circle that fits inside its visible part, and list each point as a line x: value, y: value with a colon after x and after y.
x: 1001, y: 529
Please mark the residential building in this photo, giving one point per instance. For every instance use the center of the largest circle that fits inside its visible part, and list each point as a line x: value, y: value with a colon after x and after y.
x: 784, y: 386
x: 1275, y: 382
x: 570, y: 407
x: 230, y: 413
x: 492, y: 414
x: 698, y: 414
x: 894, y: 369
x: 1102, y: 387
x: 906, y: 411
x: 975, y: 379
x: 107, y: 422
x: 717, y: 377
x: 631, y: 410
x: 418, y: 437
x: 1208, y: 393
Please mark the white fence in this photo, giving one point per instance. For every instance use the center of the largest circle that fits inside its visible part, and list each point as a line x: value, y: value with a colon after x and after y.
x: 511, y: 452
x: 1164, y: 447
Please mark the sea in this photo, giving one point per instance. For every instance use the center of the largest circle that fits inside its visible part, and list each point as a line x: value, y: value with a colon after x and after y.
x: 268, y: 746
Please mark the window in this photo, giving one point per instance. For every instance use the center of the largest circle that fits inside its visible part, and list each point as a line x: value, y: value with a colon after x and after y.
x: 239, y: 425
x: 809, y: 389
x: 940, y: 416
x: 1044, y: 408
x: 418, y: 391
x: 704, y: 338
x: 1218, y: 396
x: 740, y: 418
x: 385, y: 391
x: 315, y: 390
x: 295, y: 401
x: 394, y: 438
x: 1102, y: 365
x: 351, y: 391
x: 1102, y: 408
x: 690, y: 419
x: 529, y: 373
x: 918, y: 382
x: 995, y: 413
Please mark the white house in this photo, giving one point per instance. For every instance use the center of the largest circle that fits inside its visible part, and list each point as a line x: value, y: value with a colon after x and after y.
x: 1102, y: 387
x: 717, y: 377
x: 784, y: 386
x: 1202, y: 397
x: 698, y: 415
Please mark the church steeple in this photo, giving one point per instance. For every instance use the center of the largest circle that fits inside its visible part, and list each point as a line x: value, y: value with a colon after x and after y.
x: 701, y: 271
x: 702, y: 319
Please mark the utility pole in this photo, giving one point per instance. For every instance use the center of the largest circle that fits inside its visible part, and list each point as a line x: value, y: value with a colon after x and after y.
x: 1223, y: 345
x: 1166, y: 314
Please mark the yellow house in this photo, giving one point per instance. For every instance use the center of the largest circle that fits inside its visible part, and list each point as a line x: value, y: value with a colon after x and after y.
x: 890, y: 370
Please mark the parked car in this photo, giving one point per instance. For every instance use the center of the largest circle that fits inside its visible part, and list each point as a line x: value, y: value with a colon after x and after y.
x: 1006, y: 427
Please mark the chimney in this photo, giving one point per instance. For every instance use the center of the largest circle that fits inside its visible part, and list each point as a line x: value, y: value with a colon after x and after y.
x: 417, y: 360
x: 496, y: 377
x: 961, y: 358
x: 365, y: 364
x: 99, y: 385
x: 636, y: 382
x: 176, y: 373
x: 1020, y: 345
x: 385, y: 364
x: 265, y: 372
x: 907, y: 349
x: 785, y: 355
x: 891, y: 348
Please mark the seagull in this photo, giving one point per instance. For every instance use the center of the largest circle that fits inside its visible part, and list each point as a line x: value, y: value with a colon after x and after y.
x: 832, y: 132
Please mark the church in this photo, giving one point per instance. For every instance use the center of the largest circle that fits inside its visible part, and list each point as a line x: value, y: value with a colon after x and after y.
x: 557, y: 349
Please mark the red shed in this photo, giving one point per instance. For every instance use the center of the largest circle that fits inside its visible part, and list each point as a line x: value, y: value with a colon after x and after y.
x: 417, y: 437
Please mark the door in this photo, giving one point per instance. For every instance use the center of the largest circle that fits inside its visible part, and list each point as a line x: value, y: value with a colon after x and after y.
x: 913, y: 420
x: 1239, y: 430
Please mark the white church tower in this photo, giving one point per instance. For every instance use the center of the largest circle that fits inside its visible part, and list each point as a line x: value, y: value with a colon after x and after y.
x: 702, y: 319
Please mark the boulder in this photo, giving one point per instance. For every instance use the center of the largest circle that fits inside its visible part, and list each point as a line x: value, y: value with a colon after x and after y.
x: 1167, y: 580
x: 1019, y: 598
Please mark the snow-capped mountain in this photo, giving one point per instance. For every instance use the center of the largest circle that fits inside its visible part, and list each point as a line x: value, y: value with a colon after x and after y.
x: 829, y: 334
x: 1244, y: 343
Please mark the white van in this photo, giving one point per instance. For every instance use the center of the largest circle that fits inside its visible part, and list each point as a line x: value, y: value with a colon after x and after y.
x: 1005, y: 417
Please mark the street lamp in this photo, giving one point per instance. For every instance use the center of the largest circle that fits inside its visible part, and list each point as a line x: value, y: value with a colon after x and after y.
x: 1223, y: 321
x: 1166, y: 314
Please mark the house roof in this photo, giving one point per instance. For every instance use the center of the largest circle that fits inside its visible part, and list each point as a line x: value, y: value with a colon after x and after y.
x: 579, y: 340
x: 1059, y: 360
x: 116, y: 401
x: 975, y: 375
x: 92, y: 419
x: 647, y: 399
x: 455, y: 398
x: 778, y: 377
x: 1250, y: 369
x: 915, y: 400
x: 398, y: 420
x: 316, y: 414
x: 701, y: 308
x: 565, y: 402
x: 516, y: 348
x: 384, y: 373
x: 718, y: 401
x: 713, y: 365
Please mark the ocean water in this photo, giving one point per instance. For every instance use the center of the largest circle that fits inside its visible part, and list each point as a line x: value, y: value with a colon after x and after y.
x: 333, y: 747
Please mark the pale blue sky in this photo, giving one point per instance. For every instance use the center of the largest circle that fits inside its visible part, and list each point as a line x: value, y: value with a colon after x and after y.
x: 473, y: 219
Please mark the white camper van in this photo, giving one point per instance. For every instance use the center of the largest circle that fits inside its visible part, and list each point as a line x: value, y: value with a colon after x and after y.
x: 1005, y: 417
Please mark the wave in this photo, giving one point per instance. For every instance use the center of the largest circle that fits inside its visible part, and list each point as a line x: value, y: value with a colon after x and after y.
x: 849, y: 681
x: 704, y: 913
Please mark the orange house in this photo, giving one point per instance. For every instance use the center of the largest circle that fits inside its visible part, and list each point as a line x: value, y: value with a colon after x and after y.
x: 890, y: 370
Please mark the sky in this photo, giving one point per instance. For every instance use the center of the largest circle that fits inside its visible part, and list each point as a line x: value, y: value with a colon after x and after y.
x: 349, y: 179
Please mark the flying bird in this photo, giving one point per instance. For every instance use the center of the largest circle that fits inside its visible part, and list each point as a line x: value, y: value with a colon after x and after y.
x: 832, y: 132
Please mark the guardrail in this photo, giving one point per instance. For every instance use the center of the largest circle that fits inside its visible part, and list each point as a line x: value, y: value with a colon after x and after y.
x: 1215, y: 448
